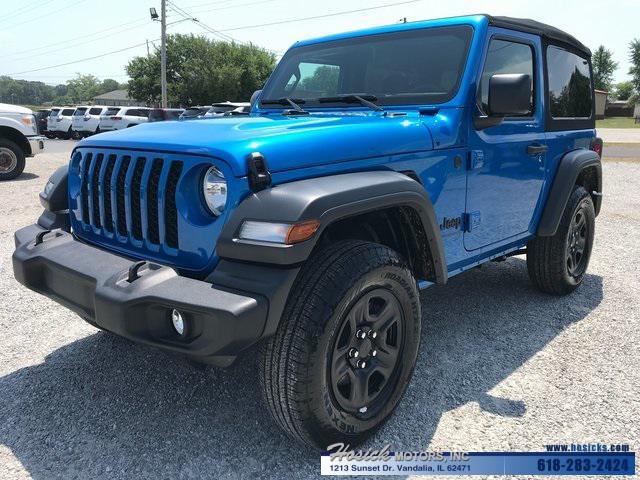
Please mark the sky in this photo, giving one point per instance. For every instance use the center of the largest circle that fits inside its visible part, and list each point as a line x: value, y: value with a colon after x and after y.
x: 37, y: 36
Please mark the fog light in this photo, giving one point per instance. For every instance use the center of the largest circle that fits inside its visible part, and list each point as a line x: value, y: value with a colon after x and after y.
x: 178, y: 321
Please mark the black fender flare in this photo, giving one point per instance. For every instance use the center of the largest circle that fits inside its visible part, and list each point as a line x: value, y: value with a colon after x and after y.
x: 570, y: 167
x: 55, y: 200
x: 327, y: 199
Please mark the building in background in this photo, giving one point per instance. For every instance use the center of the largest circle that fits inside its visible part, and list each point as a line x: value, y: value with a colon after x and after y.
x: 117, y: 98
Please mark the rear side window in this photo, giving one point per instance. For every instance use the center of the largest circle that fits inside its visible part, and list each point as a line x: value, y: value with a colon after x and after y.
x: 95, y: 111
x: 133, y: 112
x: 67, y: 112
x: 505, y: 56
x: 156, y: 115
x: 569, y: 80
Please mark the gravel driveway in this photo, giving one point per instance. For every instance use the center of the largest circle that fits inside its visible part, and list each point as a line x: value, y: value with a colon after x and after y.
x: 502, y: 367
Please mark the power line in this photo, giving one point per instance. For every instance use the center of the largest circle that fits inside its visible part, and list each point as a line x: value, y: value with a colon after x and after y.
x: 33, y: 19
x: 83, y: 37
x: 24, y: 9
x: 82, y: 59
x: 326, y: 15
x: 84, y: 42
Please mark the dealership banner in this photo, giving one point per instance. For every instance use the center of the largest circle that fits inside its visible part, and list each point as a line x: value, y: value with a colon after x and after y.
x: 341, y: 461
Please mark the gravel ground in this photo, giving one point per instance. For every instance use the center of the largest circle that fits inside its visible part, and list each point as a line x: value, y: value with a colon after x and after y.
x: 619, y: 135
x: 502, y: 367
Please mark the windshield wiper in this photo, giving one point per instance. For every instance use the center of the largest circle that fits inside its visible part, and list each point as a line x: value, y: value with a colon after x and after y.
x: 293, y: 102
x: 365, y: 100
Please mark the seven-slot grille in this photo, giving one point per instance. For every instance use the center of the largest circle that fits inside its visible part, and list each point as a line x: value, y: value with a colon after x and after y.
x: 130, y: 196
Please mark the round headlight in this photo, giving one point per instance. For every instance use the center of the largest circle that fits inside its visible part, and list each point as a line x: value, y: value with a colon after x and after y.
x: 214, y: 188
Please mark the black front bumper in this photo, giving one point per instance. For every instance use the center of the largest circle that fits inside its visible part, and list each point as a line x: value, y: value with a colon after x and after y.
x: 95, y: 284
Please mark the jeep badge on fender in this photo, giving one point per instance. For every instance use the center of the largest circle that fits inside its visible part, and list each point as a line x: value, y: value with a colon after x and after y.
x: 372, y: 164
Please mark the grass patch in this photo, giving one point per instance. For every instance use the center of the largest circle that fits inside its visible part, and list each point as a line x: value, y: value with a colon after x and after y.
x: 617, y: 122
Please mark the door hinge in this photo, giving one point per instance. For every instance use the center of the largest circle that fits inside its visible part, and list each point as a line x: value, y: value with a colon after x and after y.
x: 471, y: 220
x: 475, y: 159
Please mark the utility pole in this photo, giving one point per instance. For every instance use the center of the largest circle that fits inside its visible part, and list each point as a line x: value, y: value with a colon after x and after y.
x: 163, y: 53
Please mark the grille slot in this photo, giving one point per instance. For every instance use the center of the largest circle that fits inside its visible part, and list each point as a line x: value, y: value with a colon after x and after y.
x: 170, y: 212
x: 95, y: 192
x: 120, y: 209
x: 108, y: 211
x: 84, y: 190
x: 152, y: 201
x: 136, y: 184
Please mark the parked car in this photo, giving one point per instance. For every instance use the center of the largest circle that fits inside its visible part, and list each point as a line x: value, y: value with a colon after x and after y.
x: 59, y: 122
x: 123, y: 117
x: 219, y: 109
x: 86, y: 120
x: 305, y: 231
x: 193, y: 113
x: 19, y: 139
x: 163, y: 114
x: 41, y: 121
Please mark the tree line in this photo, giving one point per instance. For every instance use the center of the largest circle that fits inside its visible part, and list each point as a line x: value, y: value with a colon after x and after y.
x: 604, y: 66
x: 80, y: 89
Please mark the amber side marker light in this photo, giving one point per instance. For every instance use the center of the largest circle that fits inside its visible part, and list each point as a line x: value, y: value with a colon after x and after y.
x: 299, y: 232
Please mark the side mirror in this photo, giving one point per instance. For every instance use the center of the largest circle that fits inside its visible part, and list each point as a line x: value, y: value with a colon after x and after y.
x: 254, y: 97
x: 509, y: 94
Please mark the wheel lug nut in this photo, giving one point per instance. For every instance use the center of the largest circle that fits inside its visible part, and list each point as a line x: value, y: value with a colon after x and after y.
x: 373, y: 334
x: 361, y: 334
x: 374, y: 353
x: 361, y: 364
x: 353, y: 353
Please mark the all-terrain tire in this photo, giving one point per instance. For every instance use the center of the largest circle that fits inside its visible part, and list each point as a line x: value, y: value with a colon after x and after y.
x: 296, y: 375
x: 12, y: 160
x: 552, y: 264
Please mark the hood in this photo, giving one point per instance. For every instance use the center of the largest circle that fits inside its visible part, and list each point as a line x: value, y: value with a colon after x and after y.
x: 287, y: 142
x: 7, y: 108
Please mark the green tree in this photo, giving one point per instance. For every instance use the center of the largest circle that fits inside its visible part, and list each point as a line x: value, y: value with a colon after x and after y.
x: 603, y: 68
x: 634, y: 71
x: 108, y: 85
x: 83, y: 88
x: 324, y: 81
x: 200, y: 71
x: 623, y: 91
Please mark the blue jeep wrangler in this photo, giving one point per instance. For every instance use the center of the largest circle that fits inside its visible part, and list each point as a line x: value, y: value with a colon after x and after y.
x: 372, y: 164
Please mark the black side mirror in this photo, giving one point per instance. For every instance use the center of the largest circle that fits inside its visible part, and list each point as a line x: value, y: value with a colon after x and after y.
x: 509, y: 94
x: 254, y: 97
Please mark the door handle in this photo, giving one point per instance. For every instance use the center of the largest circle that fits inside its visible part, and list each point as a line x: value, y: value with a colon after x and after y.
x: 536, y: 148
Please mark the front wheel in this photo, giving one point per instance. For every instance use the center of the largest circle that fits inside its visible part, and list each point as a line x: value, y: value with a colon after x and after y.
x: 12, y: 160
x: 558, y: 264
x: 346, y: 346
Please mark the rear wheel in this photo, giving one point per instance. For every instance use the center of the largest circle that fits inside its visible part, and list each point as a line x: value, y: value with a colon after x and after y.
x: 11, y: 160
x: 558, y: 264
x: 346, y: 345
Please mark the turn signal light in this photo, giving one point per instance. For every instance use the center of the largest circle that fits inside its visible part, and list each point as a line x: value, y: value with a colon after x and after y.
x: 300, y: 232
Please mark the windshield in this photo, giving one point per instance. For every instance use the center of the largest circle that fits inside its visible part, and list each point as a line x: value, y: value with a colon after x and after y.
x: 411, y: 67
x: 54, y: 112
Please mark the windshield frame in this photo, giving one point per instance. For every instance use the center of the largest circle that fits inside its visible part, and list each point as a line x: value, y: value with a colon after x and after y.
x: 400, y: 101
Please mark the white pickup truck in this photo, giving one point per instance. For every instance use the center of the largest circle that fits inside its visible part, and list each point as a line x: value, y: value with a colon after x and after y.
x: 18, y: 139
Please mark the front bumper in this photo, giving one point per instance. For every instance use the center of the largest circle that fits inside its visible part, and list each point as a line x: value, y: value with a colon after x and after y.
x: 36, y: 144
x: 96, y: 285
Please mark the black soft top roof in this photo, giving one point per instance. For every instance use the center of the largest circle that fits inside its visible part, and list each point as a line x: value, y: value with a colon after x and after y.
x: 531, y: 26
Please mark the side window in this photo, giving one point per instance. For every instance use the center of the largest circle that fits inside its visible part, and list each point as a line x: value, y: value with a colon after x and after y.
x: 505, y: 56
x: 95, y: 111
x: 569, y: 81
x: 133, y: 112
